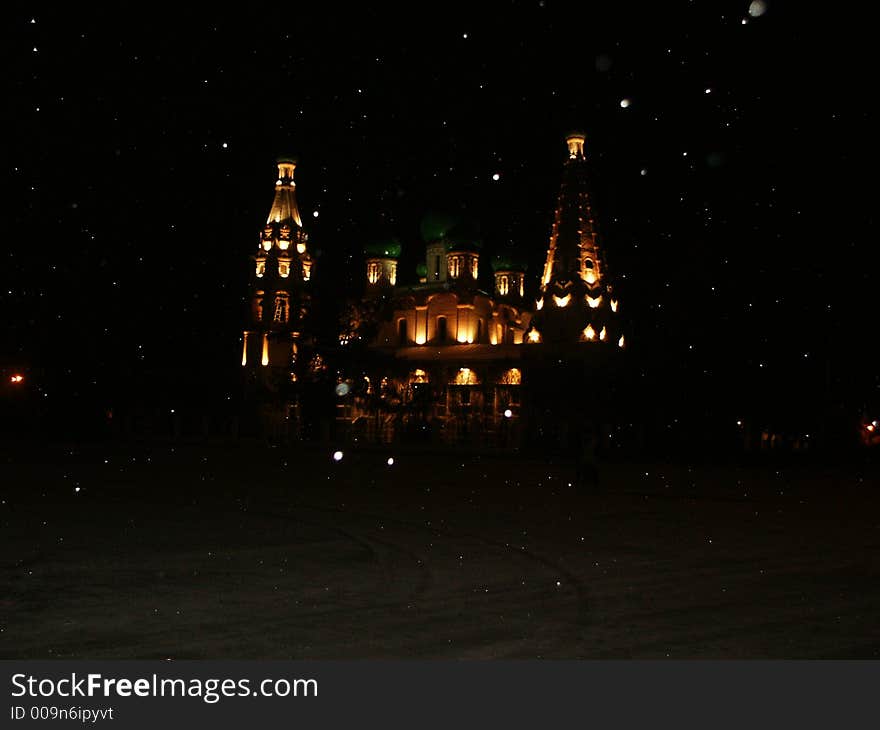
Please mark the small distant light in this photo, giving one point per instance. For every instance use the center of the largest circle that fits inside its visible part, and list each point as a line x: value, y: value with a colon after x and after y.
x: 707, y: 91
x: 464, y: 35
x: 224, y: 145
x: 870, y: 427
x: 342, y: 389
x: 76, y: 489
x: 644, y: 171
x: 624, y: 103
x: 337, y: 456
x: 314, y: 214
x: 508, y: 413
x: 390, y: 461
x: 496, y: 177
x: 35, y: 49
x: 16, y: 379
x: 739, y: 423
x: 172, y: 410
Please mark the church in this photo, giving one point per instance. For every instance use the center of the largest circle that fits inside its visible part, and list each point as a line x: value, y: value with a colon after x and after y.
x: 438, y: 359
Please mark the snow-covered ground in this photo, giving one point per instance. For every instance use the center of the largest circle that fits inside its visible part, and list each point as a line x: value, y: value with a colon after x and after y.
x: 206, y: 552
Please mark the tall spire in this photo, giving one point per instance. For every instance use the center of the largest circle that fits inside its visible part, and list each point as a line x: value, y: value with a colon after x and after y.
x: 284, y: 208
x: 575, y: 298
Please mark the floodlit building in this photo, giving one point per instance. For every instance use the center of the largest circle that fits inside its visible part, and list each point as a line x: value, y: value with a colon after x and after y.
x: 438, y: 358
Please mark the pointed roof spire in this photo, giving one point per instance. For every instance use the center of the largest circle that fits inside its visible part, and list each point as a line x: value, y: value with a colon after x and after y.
x: 284, y: 207
x: 574, y: 291
x: 573, y: 255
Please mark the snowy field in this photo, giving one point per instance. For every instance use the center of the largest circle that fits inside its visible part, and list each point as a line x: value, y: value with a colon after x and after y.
x: 235, y: 552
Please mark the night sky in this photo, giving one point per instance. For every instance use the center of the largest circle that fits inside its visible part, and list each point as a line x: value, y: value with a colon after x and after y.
x: 733, y: 156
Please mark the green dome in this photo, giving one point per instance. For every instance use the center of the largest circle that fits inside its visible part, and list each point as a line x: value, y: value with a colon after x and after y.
x: 464, y: 237
x: 507, y: 262
x: 287, y: 158
x: 390, y: 248
x: 436, y: 226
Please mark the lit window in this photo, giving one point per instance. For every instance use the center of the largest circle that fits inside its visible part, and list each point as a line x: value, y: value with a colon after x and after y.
x: 418, y: 376
x: 562, y: 301
x: 466, y: 376
x: 503, y: 285
x: 281, y: 308
x: 511, y: 377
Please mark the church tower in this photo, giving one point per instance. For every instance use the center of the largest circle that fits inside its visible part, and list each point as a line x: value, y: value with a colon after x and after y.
x: 280, y: 285
x: 576, y: 300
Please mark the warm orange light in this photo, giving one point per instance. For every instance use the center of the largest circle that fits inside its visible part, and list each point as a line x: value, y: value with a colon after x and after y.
x: 562, y: 301
x: 244, y: 350
x: 594, y: 302
x: 265, y: 359
x: 603, y: 334
x: 590, y: 333
x: 466, y: 376
x: 620, y: 342
x: 613, y: 305
x: 870, y: 427
x: 539, y: 304
x: 534, y: 336
x: 16, y: 379
x: 513, y: 376
x: 418, y: 376
x: 300, y: 248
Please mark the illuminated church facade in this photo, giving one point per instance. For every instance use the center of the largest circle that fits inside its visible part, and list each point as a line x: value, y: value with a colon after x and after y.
x: 437, y: 359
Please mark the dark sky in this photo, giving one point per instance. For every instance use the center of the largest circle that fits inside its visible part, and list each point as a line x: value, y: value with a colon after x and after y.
x: 733, y: 190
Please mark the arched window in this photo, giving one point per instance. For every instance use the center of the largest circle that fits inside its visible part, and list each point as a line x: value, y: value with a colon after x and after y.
x: 401, y: 331
x: 281, y: 307
x: 479, y: 330
x: 441, y: 329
